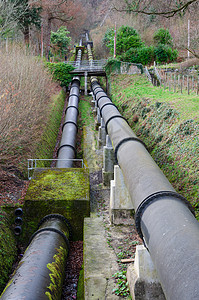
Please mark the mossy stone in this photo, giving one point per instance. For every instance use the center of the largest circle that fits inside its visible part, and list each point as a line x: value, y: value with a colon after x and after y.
x: 62, y: 191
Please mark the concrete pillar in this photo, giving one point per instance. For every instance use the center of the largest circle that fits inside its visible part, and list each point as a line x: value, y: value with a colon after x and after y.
x: 121, y: 207
x: 142, y: 277
x: 86, y: 90
x: 102, y: 134
x: 108, y: 162
x: 98, y: 119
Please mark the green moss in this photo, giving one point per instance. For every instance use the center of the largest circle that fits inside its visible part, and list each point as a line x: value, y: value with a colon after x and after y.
x: 8, y: 250
x: 62, y: 191
x: 80, y: 286
x: 66, y: 184
x: 57, y: 274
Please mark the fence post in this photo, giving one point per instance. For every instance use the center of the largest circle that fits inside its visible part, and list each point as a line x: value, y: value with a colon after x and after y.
x: 188, y: 85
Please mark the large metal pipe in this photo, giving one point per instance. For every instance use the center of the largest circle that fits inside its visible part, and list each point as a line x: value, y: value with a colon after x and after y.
x: 164, y: 219
x: 67, y: 150
x: 40, y: 273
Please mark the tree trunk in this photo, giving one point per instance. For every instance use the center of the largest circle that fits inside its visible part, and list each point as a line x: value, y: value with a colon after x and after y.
x: 26, y: 34
x: 48, y: 33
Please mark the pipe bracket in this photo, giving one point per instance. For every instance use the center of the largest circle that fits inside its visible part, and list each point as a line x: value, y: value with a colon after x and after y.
x: 113, y: 117
x: 127, y: 140
x: 154, y: 197
x: 59, y: 217
x: 69, y: 122
x: 67, y: 145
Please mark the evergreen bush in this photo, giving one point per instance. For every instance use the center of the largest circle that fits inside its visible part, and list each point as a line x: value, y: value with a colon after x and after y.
x: 60, y: 72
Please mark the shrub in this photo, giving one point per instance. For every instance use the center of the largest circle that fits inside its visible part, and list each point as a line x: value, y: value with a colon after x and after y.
x: 25, y: 90
x: 163, y: 37
x: 143, y: 55
x: 127, y: 37
x: 60, y: 72
x: 165, y: 54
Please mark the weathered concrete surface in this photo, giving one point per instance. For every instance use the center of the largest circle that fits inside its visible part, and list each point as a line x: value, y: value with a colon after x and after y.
x: 62, y: 191
x: 142, y: 277
x: 121, y: 207
x: 99, y: 262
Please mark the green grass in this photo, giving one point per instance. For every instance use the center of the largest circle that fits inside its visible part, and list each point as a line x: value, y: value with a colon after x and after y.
x: 140, y: 87
x: 168, y: 124
x: 86, y: 112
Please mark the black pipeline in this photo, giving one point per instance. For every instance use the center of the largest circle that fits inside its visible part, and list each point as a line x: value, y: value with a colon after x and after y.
x: 40, y: 273
x: 164, y: 219
x: 67, y: 151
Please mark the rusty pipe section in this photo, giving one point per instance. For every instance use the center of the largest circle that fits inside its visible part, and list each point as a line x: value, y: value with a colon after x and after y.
x: 40, y: 273
x: 164, y: 219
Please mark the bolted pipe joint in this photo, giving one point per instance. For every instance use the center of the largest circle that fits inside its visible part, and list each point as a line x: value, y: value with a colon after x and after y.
x: 40, y: 273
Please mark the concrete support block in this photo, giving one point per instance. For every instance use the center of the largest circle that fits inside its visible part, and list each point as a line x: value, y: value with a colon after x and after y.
x: 121, y: 207
x: 108, y: 162
x: 98, y: 119
x: 101, y: 134
x: 142, y: 277
x: 95, y: 109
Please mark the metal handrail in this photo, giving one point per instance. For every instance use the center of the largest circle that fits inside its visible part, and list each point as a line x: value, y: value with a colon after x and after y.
x: 32, y: 163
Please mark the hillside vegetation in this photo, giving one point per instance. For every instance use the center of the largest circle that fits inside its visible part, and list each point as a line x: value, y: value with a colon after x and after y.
x: 168, y: 123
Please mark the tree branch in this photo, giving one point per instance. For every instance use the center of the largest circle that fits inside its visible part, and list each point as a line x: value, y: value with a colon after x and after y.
x: 167, y: 14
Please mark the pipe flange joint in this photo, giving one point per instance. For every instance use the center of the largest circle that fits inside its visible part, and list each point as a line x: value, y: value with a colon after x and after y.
x: 70, y: 122
x: 72, y: 106
x: 104, y: 96
x: 106, y: 105
x: 127, y: 140
x: 52, y: 230
x: 113, y: 117
x: 155, y: 197
x: 59, y: 217
x: 73, y: 95
x: 67, y: 145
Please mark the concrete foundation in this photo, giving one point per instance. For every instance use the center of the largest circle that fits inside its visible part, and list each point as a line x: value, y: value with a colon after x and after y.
x: 142, y: 277
x: 108, y: 162
x: 121, y: 207
x: 98, y: 119
x: 102, y: 134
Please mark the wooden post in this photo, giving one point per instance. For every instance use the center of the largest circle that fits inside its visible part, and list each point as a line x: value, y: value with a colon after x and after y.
x: 42, y: 40
x: 188, y: 85
x: 174, y: 83
x: 86, y: 91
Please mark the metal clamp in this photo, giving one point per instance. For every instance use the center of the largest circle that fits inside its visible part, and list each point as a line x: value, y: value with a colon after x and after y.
x: 154, y: 197
x: 127, y: 140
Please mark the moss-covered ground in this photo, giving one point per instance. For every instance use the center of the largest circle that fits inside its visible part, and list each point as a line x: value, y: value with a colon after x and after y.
x: 8, y: 249
x: 168, y: 123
